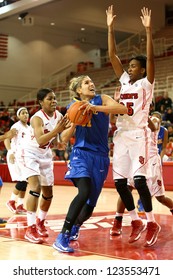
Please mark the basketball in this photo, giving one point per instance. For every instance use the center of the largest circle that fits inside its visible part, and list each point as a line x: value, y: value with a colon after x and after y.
x: 76, y: 115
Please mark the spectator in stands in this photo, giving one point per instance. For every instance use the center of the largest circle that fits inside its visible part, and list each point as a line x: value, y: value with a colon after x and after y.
x: 169, y: 150
x: 166, y: 101
x: 170, y: 130
x: 158, y: 104
x: 168, y: 115
x: 5, y: 115
x: 2, y: 105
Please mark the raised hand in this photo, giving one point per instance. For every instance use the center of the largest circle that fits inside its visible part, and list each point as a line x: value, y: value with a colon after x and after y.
x: 110, y: 15
x: 87, y: 107
x: 146, y: 17
x: 61, y: 125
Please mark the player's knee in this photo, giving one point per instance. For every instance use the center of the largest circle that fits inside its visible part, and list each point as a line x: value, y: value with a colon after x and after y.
x: 88, y: 211
x: 144, y: 193
x: 120, y: 185
x: 21, y: 186
x: 161, y: 198
x: 140, y: 182
x: 35, y: 194
x: 48, y: 198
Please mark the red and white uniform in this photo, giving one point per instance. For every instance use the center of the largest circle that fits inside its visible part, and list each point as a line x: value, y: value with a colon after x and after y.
x: 17, y: 142
x: 36, y: 159
x: 132, y: 137
x: 155, y: 182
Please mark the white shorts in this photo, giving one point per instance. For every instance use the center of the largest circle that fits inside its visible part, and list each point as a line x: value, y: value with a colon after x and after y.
x: 38, y: 165
x: 131, y: 153
x: 16, y: 172
x: 155, y: 183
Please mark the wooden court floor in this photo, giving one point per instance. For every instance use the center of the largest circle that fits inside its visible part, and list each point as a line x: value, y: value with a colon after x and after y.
x: 94, y: 242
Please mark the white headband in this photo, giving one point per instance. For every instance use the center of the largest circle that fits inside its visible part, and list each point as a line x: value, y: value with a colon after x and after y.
x: 19, y: 110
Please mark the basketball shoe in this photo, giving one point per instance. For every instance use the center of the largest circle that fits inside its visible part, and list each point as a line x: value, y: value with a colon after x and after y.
x: 153, y: 230
x: 137, y: 228
x: 62, y: 243
x: 74, y: 234
x: 140, y: 206
x: 41, y: 228
x: 117, y: 227
x: 20, y: 209
x: 32, y: 235
x: 11, y: 206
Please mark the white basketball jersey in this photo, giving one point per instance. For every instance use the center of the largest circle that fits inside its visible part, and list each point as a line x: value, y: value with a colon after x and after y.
x: 23, y: 133
x: 49, y: 124
x: 137, y: 98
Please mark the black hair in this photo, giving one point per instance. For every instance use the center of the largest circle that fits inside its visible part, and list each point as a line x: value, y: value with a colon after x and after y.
x: 41, y: 94
x: 142, y: 60
x: 157, y: 113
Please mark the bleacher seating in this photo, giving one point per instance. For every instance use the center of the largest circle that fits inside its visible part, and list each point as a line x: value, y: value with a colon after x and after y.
x: 104, y: 77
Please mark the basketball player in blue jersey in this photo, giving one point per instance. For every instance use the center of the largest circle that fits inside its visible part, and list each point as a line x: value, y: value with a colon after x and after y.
x: 162, y: 136
x: 89, y: 159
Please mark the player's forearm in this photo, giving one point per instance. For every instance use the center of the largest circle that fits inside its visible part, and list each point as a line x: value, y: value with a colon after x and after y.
x: 114, y: 109
x: 149, y: 44
x: 112, y: 50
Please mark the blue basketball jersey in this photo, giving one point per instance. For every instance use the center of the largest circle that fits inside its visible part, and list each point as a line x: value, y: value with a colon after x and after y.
x: 160, y: 138
x: 94, y: 135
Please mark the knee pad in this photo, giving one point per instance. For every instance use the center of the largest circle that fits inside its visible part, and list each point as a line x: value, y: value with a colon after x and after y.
x: 139, y: 182
x: 120, y: 182
x: 47, y: 198
x: 125, y: 193
x: 144, y: 193
x: 36, y: 194
x: 21, y: 186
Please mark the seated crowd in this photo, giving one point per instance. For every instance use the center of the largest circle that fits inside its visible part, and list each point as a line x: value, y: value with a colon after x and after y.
x: 163, y: 104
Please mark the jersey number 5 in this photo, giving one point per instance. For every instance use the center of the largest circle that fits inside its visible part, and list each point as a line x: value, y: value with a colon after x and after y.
x: 129, y: 106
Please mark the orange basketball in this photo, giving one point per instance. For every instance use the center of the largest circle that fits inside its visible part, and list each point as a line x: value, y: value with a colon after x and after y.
x: 76, y: 115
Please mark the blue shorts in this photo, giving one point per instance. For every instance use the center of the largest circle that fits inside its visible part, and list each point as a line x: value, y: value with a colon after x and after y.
x: 87, y: 164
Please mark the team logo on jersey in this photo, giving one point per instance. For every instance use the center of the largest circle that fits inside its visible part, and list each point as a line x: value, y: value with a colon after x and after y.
x: 141, y: 160
x: 159, y: 183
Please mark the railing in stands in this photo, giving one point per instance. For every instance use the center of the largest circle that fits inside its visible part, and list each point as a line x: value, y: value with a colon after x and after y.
x: 132, y: 46
x: 57, y: 80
